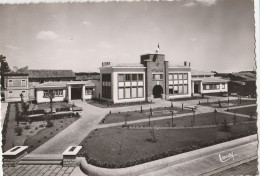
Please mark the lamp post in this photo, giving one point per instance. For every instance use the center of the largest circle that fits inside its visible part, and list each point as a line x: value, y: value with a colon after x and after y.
x: 172, y: 117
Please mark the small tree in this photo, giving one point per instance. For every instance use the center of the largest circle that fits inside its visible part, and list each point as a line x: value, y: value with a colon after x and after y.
x: 25, y: 107
x: 51, y: 97
x: 154, y: 137
x: 225, y: 126
x: 19, y: 130
x: 215, y: 117
x: 21, y: 95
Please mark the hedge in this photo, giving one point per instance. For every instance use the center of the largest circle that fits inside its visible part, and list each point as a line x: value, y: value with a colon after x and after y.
x: 42, y: 117
x: 5, y: 125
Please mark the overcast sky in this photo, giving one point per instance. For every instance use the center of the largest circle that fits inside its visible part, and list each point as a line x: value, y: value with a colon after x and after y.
x: 211, y: 34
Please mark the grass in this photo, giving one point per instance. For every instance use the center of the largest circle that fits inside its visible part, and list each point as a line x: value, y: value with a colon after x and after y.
x: 225, y: 104
x: 104, y: 144
x: 137, y: 115
x: 200, y: 120
x: 44, y: 134
x: 246, y: 110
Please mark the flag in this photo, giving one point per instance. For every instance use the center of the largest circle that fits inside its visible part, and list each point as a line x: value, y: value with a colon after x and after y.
x: 158, y: 48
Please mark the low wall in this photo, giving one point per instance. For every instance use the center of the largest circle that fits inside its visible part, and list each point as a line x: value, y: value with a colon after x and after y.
x: 165, y: 162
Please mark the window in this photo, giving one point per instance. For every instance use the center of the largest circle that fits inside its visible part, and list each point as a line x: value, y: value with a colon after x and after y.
x: 129, y: 88
x: 140, y: 92
x: 134, y: 77
x: 121, y: 78
x: 157, y: 76
x: 134, y: 92
x: 170, y: 89
x: 121, y: 93
x: 185, y: 76
x: 170, y: 76
x: 106, y: 86
x: 10, y: 83
x: 23, y: 83
x: 180, y: 76
x: 127, y: 93
x: 175, y: 76
x: 127, y: 77
x: 218, y: 86
x: 89, y: 91
x: 185, y: 89
x: 140, y: 77
x: 223, y: 86
x: 45, y: 93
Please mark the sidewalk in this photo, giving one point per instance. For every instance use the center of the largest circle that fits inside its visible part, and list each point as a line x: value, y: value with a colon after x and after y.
x: 210, y: 164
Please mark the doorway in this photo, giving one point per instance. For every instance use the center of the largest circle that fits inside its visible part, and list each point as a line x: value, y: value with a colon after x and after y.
x: 76, y: 93
x: 157, y: 91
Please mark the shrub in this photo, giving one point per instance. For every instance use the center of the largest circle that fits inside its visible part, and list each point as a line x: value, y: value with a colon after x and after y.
x: 49, y: 124
x: 27, y: 127
x: 36, y: 128
x: 41, y: 126
x: 19, y: 131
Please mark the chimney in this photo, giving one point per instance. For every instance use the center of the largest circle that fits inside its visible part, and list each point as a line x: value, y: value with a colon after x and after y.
x: 185, y: 63
x: 105, y: 64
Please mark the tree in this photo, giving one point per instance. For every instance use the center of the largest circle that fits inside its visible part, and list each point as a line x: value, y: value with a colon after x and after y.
x: 51, y: 97
x: 21, y: 95
x: 4, y: 69
x: 25, y: 108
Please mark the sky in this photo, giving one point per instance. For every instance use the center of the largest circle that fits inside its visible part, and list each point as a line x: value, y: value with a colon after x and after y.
x: 214, y: 35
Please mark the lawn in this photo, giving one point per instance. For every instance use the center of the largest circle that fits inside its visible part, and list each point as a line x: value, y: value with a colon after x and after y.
x: 200, y: 120
x: 246, y: 110
x: 225, y: 104
x: 137, y: 115
x: 103, y: 145
x: 45, y: 133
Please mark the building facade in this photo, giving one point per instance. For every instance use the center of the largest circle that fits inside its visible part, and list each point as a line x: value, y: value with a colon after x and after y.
x: 152, y: 78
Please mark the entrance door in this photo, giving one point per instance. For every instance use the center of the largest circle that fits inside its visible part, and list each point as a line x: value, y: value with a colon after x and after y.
x: 76, y: 93
x: 196, y: 88
x: 157, y: 91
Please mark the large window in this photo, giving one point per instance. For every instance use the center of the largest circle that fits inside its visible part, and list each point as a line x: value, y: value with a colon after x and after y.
x: 211, y: 86
x: 106, y: 86
x: 88, y: 91
x: 223, y: 86
x: 57, y: 93
x: 130, y: 86
x: 180, y: 83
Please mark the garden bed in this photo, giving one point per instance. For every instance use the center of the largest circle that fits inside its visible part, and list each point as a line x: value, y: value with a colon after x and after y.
x: 127, y: 147
x: 137, y: 115
x: 251, y: 111
x: 43, y: 133
x: 200, y: 120
x: 226, y: 103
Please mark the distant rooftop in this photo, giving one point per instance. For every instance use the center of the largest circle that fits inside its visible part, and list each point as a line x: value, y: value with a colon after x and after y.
x: 125, y: 65
x: 198, y: 72
x: 44, y: 73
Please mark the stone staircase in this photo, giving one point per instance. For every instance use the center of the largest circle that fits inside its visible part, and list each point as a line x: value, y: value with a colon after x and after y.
x: 34, y: 159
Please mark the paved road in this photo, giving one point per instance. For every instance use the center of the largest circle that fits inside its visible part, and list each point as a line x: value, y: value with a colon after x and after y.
x: 209, y: 163
x: 249, y: 168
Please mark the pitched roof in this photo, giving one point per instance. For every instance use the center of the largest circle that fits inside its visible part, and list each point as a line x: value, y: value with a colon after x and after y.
x: 214, y: 80
x: 50, y: 73
x: 63, y: 84
x: 198, y: 72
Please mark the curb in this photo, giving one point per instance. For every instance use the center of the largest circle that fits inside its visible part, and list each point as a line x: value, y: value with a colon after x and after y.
x: 165, y: 162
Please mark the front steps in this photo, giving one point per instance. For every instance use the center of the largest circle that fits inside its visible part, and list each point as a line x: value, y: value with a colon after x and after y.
x: 32, y: 159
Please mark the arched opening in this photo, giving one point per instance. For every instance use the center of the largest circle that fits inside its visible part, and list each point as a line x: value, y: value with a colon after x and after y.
x: 157, y: 91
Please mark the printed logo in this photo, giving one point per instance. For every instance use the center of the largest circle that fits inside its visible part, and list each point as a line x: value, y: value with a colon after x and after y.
x: 224, y: 158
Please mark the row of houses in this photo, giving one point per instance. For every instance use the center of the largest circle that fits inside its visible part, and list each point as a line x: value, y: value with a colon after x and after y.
x: 153, y: 77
